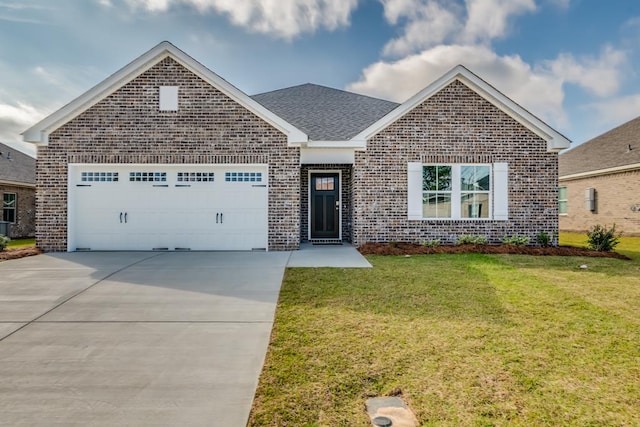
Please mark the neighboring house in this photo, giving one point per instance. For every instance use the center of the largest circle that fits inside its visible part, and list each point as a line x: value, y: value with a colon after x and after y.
x: 167, y: 155
x: 17, y: 192
x: 600, y: 182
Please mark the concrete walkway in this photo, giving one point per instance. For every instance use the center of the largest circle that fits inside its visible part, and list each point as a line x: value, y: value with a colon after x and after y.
x: 341, y: 256
x: 162, y: 339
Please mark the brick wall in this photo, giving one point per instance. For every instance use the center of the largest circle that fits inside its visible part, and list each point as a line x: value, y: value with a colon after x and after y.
x: 25, y: 225
x: 209, y: 127
x: 345, y: 198
x: 617, y: 201
x: 454, y: 126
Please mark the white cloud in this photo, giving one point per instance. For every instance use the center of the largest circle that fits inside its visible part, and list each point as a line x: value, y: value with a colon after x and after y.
x: 34, y: 92
x: 23, y: 13
x: 280, y: 18
x: 14, y: 119
x: 428, y: 24
x: 613, y: 112
x: 437, y: 35
x: 432, y: 22
x: 63, y: 82
x: 489, y: 19
x: 48, y: 76
x: 536, y: 90
x: 22, y: 6
x: 150, y: 5
x: 600, y: 76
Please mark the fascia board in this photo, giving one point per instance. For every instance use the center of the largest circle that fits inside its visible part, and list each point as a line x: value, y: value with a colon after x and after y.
x: 555, y: 140
x: 16, y: 184
x: 39, y: 132
x: 599, y: 172
x: 294, y: 135
x: 335, y: 144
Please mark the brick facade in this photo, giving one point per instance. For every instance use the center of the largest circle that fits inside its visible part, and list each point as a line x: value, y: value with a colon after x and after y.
x: 617, y: 201
x: 127, y: 127
x: 25, y: 225
x: 455, y: 125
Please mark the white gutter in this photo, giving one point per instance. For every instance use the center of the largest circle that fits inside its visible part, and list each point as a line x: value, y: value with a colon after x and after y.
x: 600, y: 172
x: 17, y: 184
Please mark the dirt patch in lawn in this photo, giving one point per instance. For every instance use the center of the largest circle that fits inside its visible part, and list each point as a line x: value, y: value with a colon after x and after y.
x: 414, y: 249
x: 19, y: 253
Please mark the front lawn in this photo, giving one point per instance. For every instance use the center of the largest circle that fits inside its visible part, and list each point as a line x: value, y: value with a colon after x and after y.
x: 629, y: 246
x: 469, y: 340
x: 21, y: 243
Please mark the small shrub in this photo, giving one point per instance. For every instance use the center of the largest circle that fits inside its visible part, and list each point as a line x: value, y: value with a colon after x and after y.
x: 516, y: 240
x: 393, y: 244
x: 602, y: 239
x: 544, y: 239
x: 3, y: 241
x: 472, y: 240
x: 431, y: 243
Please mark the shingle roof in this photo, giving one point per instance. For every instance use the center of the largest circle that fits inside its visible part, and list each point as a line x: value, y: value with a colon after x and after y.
x: 609, y: 150
x: 16, y: 166
x: 324, y: 113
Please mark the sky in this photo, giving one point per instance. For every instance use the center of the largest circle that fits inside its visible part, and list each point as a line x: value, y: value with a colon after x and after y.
x: 573, y: 63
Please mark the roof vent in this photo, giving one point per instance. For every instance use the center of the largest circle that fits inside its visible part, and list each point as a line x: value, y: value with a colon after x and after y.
x: 168, y: 98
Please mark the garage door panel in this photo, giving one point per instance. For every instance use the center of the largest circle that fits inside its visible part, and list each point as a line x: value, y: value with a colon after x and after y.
x: 248, y: 241
x: 245, y: 220
x: 171, y: 207
x: 98, y: 226
x: 196, y: 241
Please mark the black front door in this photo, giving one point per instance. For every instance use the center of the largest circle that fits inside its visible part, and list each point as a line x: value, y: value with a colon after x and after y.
x: 325, y: 206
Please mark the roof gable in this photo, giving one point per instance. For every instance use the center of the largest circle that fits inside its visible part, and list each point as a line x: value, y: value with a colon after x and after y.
x: 39, y: 133
x: 324, y: 113
x: 616, y: 149
x: 555, y: 140
x: 16, y: 167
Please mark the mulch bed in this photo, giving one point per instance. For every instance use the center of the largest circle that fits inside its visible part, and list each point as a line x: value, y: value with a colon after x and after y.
x: 19, y: 253
x: 414, y: 249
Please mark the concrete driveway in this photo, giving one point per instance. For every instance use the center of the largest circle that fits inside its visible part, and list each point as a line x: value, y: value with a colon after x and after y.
x: 135, y: 338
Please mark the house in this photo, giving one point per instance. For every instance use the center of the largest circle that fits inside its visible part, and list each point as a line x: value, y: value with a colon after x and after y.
x: 167, y: 155
x: 600, y: 182
x: 18, y: 193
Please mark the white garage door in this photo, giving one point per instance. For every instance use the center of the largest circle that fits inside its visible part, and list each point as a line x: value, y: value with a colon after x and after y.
x: 167, y: 207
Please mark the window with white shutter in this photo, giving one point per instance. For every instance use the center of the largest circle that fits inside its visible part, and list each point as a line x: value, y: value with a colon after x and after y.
x: 457, y: 191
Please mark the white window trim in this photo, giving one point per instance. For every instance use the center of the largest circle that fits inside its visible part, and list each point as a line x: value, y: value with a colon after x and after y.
x: 498, y: 194
x: 563, y: 200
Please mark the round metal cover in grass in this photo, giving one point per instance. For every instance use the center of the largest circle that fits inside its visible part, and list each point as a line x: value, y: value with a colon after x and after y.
x: 382, y: 422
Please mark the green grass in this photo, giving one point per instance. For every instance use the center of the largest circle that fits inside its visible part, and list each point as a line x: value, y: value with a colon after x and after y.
x: 470, y: 340
x: 629, y: 246
x: 21, y: 243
